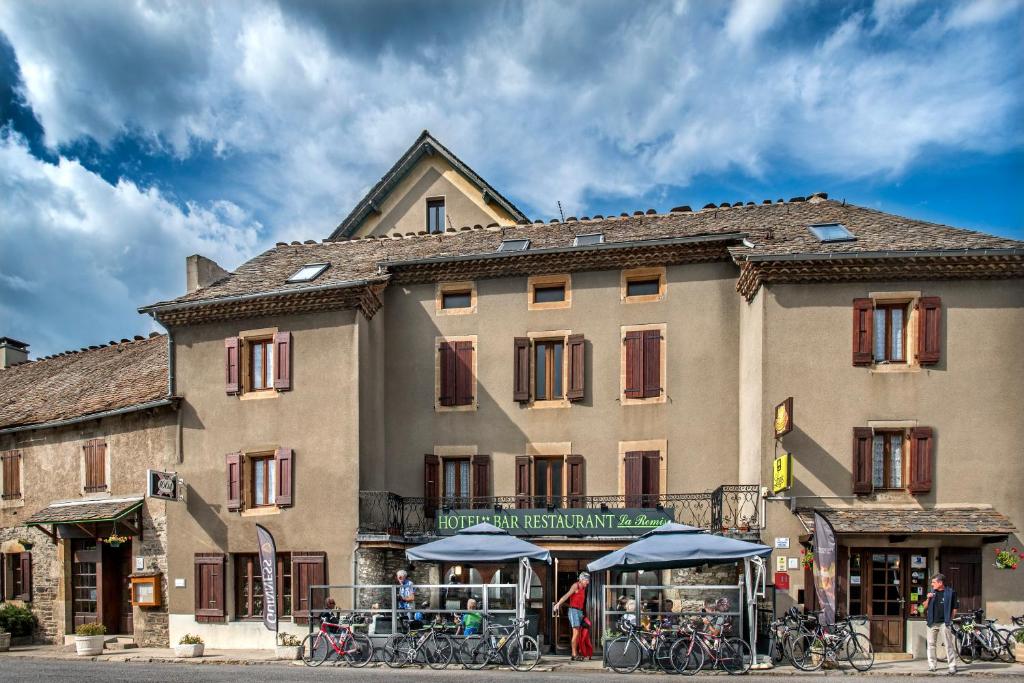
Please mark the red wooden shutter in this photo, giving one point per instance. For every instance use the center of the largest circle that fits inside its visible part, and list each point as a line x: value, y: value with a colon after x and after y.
x: 863, y: 339
x: 233, y: 471
x: 577, y: 368
x: 651, y: 485
x: 446, y: 388
x: 634, y: 365
x: 652, y: 363
x: 929, y: 318
x: 284, y: 461
x: 481, y: 490
x: 521, y: 367
x: 921, y: 457
x: 523, y: 481
x: 464, y: 373
x: 431, y: 483
x: 862, y: 438
x: 231, y: 381
x: 634, y: 478
x: 25, y: 562
x: 308, y: 569
x: 283, y: 361
x: 576, y: 480
x: 209, y: 587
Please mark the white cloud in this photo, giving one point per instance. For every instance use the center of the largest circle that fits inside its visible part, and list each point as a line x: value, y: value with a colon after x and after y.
x: 748, y: 19
x: 977, y: 12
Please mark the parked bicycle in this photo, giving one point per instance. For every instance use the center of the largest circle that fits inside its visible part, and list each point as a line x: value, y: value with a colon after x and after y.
x: 977, y: 638
x: 638, y: 647
x: 783, y: 633
x: 835, y: 643
x: 698, y: 648
x: 355, y: 649
x: 430, y: 645
x: 501, y: 644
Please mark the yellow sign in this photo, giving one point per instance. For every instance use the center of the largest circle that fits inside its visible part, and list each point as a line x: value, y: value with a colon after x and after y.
x: 782, y: 473
x: 784, y: 418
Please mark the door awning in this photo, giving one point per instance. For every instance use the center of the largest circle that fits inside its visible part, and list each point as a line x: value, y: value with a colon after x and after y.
x: 86, y: 511
x: 959, y: 521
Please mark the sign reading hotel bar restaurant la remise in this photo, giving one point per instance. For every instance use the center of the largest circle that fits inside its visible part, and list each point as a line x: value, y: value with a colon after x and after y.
x: 559, y: 522
x: 782, y: 473
x: 784, y: 418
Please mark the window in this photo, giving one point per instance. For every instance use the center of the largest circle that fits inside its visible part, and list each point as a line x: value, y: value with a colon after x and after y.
x: 640, y: 285
x: 549, y: 294
x: 887, y: 460
x: 261, y: 364
x: 11, y: 469
x: 643, y: 359
x: 514, y: 245
x: 589, y: 239
x: 549, y: 369
x: 855, y: 592
x: 456, y: 374
x: 831, y: 232
x: 461, y: 299
x: 549, y: 291
x: 17, y: 576
x: 548, y: 481
x: 643, y: 287
x: 260, y: 479
x: 643, y: 478
x: 456, y: 481
x: 263, y: 477
x: 249, y: 586
x: 435, y: 215
x: 308, y: 273
x: 455, y: 298
x: 890, y: 333
x: 456, y: 490
x: 95, y: 456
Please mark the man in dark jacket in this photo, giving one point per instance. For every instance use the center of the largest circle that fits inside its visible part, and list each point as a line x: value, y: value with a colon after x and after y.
x: 940, y: 607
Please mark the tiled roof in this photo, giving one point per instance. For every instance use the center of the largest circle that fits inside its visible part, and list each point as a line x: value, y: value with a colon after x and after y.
x: 965, y: 520
x: 85, y: 510
x: 80, y: 383
x: 777, y: 229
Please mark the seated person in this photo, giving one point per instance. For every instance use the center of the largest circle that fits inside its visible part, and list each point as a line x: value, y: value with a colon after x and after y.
x: 668, y: 619
x: 716, y: 621
x: 329, y: 615
x: 471, y: 622
x: 630, y: 615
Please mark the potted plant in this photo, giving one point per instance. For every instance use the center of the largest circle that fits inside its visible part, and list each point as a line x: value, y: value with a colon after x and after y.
x: 115, y: 540
x: 1007, y: 558
x: 807, y: 559
x: 189, y: 646
x: 89, y: 639
x: 26, y: 544
x: 5, y: 640
x: 288, y: 646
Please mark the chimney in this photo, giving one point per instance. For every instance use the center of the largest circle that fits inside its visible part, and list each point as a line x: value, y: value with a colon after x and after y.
x: 201, y: 272
x: 12, y: 352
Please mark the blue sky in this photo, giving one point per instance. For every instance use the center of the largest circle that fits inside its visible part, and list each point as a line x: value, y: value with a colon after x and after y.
x: 138, y: 133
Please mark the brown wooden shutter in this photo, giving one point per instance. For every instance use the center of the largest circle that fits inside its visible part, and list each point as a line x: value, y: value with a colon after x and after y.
x: 634, y: 478
x: 464, y: 373
x: 283, y: 361
x: 446, y: 383
x: 652, y: 478
x: 25, y: 562
x: 308, y: 569
x: 921, y: 457
x: 233, y: 475
x: 209, y: 587
x: 231, y: 366
x: 521, y: 363
x: 862, y: 438
x: 284, y: 461
x: 95, y: 451
x: 431, y: 483
x: 481, y: 491
x: 576, y: 480
x: 523, y: 463
x: 577, y: 367
x: 652, y: 363
x: 863, y: 336
x: 929, y: 329
x: 12, y: 475
x: 634, y: 365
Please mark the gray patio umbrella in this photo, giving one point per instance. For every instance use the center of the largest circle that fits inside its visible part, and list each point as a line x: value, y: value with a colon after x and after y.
x: 479, y: 543
x: 676, y: 546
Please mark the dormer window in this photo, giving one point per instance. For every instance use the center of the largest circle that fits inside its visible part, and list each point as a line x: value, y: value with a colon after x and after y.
x: 435, y: 215
x: 308, y: 273
x: 831, y: 232
x: 514, y: 245
x: 589, y: 239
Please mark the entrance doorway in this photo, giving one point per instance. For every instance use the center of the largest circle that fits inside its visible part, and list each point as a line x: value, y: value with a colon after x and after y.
x: 888, y: 586
x: 100, y: 585
x: 566, y: 571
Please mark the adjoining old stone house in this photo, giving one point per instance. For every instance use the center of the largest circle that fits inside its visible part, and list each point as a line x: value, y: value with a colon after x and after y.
x: 78, y: 431
x: 406, y: 378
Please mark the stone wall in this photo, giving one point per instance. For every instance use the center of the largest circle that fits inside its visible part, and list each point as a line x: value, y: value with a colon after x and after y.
x: 377, y: 566
x: 47, y: 596
x: 151, y: 628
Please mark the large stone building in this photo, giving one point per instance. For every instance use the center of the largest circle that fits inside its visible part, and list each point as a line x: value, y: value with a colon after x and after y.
x: 354, y: 395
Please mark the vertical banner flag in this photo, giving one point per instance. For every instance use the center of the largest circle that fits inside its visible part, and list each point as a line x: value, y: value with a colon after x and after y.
x: 268, y: 572
x: 825, y: 567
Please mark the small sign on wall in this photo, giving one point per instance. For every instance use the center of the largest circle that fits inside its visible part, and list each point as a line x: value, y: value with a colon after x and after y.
x: 179, y: 583
x: 140, y: 563
x: 780, y: 563
x: 781, y: 581
x: 782, y: 542
x: 794, y: 563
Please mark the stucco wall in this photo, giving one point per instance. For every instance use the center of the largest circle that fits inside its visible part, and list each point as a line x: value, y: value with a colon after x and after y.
x: 318, y: 418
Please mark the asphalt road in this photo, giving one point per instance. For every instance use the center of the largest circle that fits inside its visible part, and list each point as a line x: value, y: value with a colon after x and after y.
x: 37, y: 669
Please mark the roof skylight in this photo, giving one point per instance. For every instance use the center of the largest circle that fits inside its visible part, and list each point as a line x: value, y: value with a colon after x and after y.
x: 832, y: 232
x: 308, y: 272
x: 588, y: 239
x: 514, y: 245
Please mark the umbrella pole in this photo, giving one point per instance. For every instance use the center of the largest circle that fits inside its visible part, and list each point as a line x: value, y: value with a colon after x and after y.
x: 751, y: 611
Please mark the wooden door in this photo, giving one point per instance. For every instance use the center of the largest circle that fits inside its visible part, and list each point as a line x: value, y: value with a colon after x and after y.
x: 111, y: 586
x: 85, y: 563
x: 885, y: 572
x: 126, y: 623
x: 962, y: 568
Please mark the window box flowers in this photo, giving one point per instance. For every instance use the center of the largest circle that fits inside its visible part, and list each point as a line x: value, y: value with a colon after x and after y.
x: 1008, y: 558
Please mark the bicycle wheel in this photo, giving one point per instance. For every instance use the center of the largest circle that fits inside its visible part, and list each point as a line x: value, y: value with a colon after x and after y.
x: 397, y: 650
x: 966, y: 647
x: 808, y: 652
x: 685, y: 660
x: 859, y: 652
x: 663, y: 656
x: 523, y: 653
x: 441, y: 651
x: 624, y: 655
x: 315, y: 649
x: 358, y: 650
x: 735, y: 656
x: 1013, y: 638
x: 476, y: 653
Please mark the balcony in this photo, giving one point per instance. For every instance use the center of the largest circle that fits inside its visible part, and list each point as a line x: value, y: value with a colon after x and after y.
x: 731, y: 509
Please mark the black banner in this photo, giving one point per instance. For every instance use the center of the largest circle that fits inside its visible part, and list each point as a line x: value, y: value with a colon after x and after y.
x: 268, y: 571
x: 559, y: 522
x: 825, y: 567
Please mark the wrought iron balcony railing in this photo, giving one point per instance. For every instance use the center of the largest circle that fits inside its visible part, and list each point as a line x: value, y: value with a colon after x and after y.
x: 728, y: 509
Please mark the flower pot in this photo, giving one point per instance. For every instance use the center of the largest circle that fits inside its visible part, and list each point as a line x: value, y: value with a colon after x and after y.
x: 288, y: 652
x: 115, y: 544
x: 27, y: 545
x: 89, y: 645
x: 189, y: 650
x: 5, y: 642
